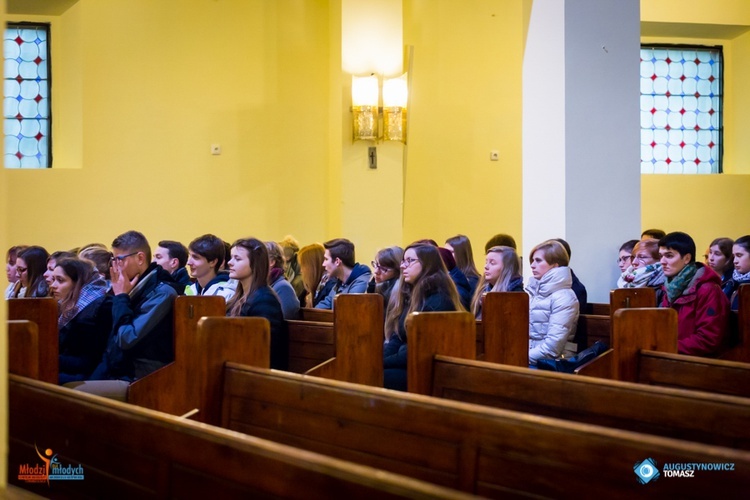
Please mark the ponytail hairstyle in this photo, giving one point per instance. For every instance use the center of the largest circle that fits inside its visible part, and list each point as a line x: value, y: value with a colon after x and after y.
x: 411, y: 296
x: 258, y: 257
x: 511, y: 269
x: 464, y: 255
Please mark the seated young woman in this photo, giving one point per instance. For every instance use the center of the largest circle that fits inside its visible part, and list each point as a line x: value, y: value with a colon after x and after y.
x: 10, y: 269
x: 314, y: 278
x: 625, y: 255
x: 424, y: 286
x: 741, y: 274
x: 721, y: 260
x: 30, y: 265
x: 386, y: 271
x: 502, y: 273
x: 52, y: 263
x: 460, y: 247
x: 646, y: 270
x: 85, y: 317
x: 553, y: 306
x: 278, y: 282
x: 249, y: 266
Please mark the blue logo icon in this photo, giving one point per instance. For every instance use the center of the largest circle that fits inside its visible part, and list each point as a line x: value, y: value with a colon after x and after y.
x: 646, y: 471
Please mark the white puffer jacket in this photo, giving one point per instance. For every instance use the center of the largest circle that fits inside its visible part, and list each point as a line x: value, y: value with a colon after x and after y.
x: 553, y: 315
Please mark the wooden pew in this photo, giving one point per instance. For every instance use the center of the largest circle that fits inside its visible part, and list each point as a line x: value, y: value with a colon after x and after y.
x: 131, y: 452
x: 43, y: 312
x: 23, y: 344
x: 662, y: 411
x: 479, y: 450
x: 312, y: 342
x: 358, y: 341
x: 201, y: 345
x: 645, y: 351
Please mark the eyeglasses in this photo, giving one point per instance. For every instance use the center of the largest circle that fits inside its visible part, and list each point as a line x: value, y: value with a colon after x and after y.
x: 378, y: 268
x: 120, y: 258
x: 642, y: 258
x: 21, y: 270
x: 408, y: 262
x: 624, y: 259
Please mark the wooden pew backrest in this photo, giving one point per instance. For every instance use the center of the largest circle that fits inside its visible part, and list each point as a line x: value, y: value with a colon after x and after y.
x: 43, y: 312
x: 131, y: 452
x: 485, y: 451
x: 608, y: 403
x: 310, y: 314
x: 628, y: 298
x: 692, y: 372
x: 310, y: 343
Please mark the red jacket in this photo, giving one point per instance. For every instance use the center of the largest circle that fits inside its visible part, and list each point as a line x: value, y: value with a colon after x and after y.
x: 702, y: 314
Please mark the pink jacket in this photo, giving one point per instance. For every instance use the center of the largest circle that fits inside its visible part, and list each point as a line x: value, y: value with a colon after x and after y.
x: 703, y: 314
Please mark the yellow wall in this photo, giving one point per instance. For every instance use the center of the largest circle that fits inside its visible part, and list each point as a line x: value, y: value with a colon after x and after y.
x: 707, y: 206
x: 162, y: 81
x: 465, y: 102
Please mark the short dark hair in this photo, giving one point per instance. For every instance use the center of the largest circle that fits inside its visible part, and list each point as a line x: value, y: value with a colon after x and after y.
x: 680, y: 242
x: 133, y: 241
x: 500, y: 240
x: 176, y: 251
x: 656, y: 234
x: 343, y: 249
x: 210, y: 247
x: 744, y: 242
x: 628, y: 246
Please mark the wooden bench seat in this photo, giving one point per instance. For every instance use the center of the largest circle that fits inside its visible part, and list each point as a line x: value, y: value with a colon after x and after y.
x: 132, y: 452
x: 43, y: 312
x: 485, y: 451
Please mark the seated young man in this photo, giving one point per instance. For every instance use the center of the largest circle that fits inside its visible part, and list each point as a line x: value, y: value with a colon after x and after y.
x: 205, y: 262
x: 172, y: 257
x: 351, y: 277
x: 141, y: 340
x: 694, y: 291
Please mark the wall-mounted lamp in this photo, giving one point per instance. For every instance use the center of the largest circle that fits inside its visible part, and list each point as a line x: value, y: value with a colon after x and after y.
x: 365, y: 109
x: 395, y: 94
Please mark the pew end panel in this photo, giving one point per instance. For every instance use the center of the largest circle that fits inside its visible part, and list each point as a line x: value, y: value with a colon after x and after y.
x: 591, y: 328
x: 43, y: 312
x: 637, y: 329
x: 358, y: 341
x: 695, y: 373
x: 23, y: 344
x: 431, y: 333
x: 505, y: 320
x: 132, y: 452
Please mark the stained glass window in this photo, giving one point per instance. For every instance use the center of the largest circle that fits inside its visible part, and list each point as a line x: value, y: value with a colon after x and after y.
x: 681, y: 127
x: 26, y: 105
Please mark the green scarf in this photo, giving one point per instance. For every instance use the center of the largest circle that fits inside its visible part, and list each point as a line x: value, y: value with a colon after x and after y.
x: 678, y: 284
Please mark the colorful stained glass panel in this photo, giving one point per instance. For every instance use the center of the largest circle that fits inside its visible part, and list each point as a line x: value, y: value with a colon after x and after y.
x: 681, y: 128
x: 26, y: 106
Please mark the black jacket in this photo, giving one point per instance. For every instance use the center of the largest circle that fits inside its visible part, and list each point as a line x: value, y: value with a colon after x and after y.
x: 265, y: 304
x: 83, y: 339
